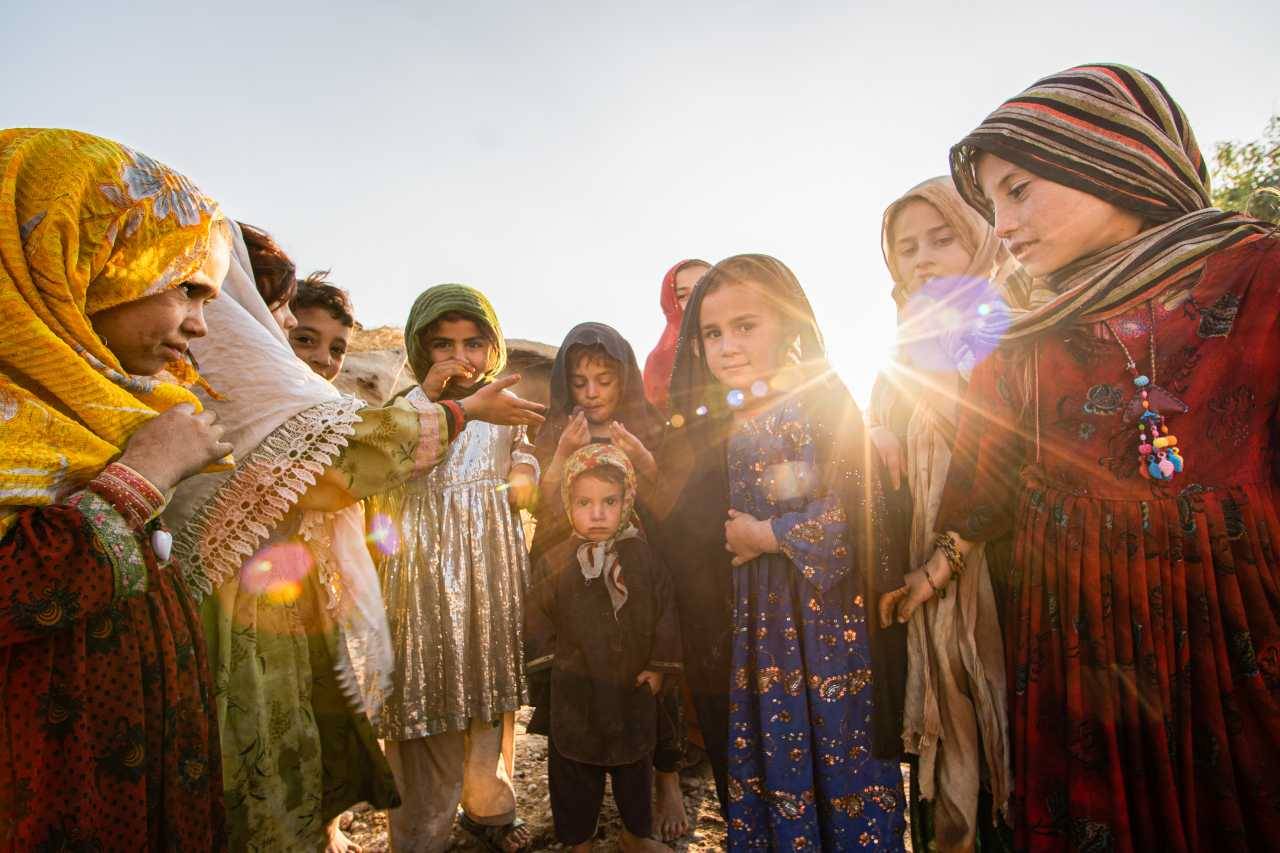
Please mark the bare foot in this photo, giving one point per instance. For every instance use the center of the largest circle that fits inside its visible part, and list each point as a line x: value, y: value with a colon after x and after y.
x: 669, y: 818
x: 517, y: 839
x: 629, y: 843
x: 338, y: 841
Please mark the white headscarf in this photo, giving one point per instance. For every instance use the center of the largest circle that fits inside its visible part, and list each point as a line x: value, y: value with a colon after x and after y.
x: 286, y: 425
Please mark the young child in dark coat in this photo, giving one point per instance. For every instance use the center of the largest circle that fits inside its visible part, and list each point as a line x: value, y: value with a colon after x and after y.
x: 602, y: 619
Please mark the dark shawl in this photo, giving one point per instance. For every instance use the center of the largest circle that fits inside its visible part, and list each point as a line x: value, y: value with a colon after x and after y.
x: 634, y: 412
x: 694, y: 504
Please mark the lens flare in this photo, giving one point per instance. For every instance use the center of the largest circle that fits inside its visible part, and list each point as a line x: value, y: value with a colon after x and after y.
x: 950, y: 320
x: 735, y: 399
x: 759, y: 388
x: 277, y: 571
x: 677, y: 420
x: 701, y: 411
x: 383, y: 534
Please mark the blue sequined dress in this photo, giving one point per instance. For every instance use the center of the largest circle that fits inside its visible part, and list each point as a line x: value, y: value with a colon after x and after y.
x: 801, y: 772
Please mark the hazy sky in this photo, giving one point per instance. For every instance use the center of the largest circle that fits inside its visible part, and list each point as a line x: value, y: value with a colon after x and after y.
x: 560, y: 156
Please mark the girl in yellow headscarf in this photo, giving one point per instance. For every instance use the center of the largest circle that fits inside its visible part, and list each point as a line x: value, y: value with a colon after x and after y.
x: 107, y: 727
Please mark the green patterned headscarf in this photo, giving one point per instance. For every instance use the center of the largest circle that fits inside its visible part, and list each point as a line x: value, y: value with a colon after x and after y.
x: 443, y: 299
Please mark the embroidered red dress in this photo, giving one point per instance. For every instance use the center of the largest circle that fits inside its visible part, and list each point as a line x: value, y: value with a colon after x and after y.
x: 1142, y: 641
x: 108, y: 734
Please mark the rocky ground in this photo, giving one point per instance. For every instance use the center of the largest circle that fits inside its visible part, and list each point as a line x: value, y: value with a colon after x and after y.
x: 369, y: 828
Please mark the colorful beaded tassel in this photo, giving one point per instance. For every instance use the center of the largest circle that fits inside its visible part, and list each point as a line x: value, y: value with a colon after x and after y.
x: 1158, y: 454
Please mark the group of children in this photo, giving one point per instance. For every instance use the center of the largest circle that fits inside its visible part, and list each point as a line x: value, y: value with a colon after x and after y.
x: 1077, y: 642
x: 615, y: 617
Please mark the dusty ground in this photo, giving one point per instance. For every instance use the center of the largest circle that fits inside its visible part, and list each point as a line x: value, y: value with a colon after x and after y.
x: 369, y: 828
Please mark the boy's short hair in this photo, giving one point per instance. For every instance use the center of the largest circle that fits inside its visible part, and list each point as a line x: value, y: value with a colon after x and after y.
x: 611, y: 474
x: 316, y: 291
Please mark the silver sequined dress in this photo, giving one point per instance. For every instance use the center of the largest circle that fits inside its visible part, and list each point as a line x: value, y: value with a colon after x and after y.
x: 455, y: 588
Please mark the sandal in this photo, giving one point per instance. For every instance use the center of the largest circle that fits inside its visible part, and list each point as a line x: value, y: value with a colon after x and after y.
x: 492, y: 837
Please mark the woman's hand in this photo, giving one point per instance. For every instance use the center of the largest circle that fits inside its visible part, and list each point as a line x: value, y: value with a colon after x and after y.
x: 174, y: 445
x: 576, y: 435
x: 890, y: 450
x: 521, y: 486
x: 747, y: 537
x: 444, y: 372
x: 916, y: 590
x: 496, y: 405
x: 639, y: 455
x: 651, y: 678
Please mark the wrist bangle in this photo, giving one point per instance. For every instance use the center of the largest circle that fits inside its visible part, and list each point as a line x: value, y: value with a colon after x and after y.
x: 940, y: 591
x: 462, y: 413
x: 456, y: 417
x: 947, y: 546
x: 133, y: 495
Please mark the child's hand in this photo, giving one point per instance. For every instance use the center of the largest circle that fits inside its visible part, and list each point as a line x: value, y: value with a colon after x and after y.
x: 444, y: 372
x: 915, y: 591
x: 576, y: 435
x: 651, y: 678
x: 521, y: 486
x: 890, y: 450
x: 496, y: 405
x: 639, y: 455
x: 747, y: 537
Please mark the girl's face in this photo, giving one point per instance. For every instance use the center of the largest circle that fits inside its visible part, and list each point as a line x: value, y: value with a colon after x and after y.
x: 460, y: 339
x: 596, y: 386
x: 595, y: 507
x: 686, y: 279
x: 924, y: 246
x: 1046, y: 225
x: 320, y: 339
x: 743, y: 338
x: 146, y: 334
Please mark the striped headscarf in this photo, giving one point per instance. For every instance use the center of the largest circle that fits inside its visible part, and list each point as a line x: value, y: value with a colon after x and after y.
x: 86, y: 224
x: 1115, y: 133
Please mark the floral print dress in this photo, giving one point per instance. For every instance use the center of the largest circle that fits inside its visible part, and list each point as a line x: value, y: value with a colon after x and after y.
x: 1142, y: 640
x: 108, y: 733
x: 801, y: 772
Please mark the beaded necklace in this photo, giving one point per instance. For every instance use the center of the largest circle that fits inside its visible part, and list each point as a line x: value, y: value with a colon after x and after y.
x: 1158, y: 455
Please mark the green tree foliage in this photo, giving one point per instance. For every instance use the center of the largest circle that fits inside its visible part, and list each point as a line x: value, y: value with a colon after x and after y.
x: 1246, y: 175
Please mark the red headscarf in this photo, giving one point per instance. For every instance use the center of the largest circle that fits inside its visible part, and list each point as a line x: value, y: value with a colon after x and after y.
x: 657, y: 367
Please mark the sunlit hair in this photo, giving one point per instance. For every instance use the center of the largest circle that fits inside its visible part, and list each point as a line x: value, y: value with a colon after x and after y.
x: 316, y: 291
x: 274, y: 272
x: 781, y: 290
x: 696, y: 395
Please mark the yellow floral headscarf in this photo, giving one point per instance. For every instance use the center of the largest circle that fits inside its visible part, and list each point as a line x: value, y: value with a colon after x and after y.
x: 85, y: 224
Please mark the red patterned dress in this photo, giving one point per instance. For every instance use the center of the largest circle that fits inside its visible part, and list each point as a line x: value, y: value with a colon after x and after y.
x: 108, y: 734
x: 1141, y: 634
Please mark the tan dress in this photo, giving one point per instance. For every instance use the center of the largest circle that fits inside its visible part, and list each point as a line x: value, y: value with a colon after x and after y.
x: 454, y: 591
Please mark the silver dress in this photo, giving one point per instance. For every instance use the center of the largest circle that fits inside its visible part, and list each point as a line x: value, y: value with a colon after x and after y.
x: 455, y: 588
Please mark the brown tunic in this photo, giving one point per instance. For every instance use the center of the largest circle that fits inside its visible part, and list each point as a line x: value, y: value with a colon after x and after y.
x: 599, y: 715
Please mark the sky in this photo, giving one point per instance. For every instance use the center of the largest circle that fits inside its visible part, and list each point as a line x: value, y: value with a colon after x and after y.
x: 561, y: 156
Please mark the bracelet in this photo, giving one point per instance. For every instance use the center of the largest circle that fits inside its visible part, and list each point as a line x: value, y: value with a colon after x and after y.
x: 947, y: 546
x: 132, y: 494
x: 457, y: 418
x: 941, y: 592
x: 462, y: 411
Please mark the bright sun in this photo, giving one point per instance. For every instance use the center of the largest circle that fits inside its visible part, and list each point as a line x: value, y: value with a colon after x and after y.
x: 859, y: 347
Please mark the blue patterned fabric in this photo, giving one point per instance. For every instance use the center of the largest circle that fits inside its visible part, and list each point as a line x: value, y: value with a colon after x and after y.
x: 801, y: 772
